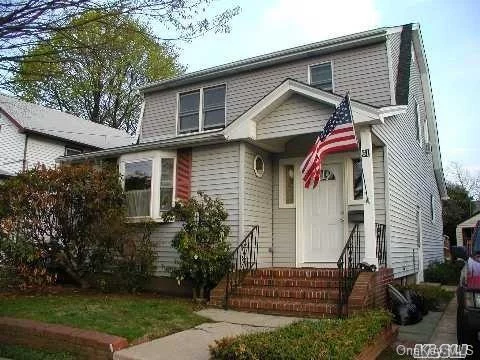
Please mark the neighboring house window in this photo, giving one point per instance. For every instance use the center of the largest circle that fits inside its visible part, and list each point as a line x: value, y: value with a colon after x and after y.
x: 72, y: 151
x: 149, y: 182
x: 321, y: 76
x: 417, y: 120
x: 202, y: 110
x: 286, y: 186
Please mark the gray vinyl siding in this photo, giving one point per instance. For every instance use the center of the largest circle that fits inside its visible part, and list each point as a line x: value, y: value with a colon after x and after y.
x: 297, y: 115
x: 411, y: 181
x: 12, y: 143
x: 258, y: 202
x: 362, y: 71
x: 215, y: 171
x: 379, y: 185
x: 284, y: 228
x: 394, y: 44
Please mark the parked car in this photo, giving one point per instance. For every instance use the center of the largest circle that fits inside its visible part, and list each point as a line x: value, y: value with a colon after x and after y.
x: 468, y: 292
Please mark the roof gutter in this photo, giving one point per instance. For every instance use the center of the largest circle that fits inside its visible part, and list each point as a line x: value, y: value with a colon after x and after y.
x: 177, y: 142
x: 322, y: 47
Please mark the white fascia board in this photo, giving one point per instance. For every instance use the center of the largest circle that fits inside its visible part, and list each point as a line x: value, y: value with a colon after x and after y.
x: 244, y: 127
x: 388, y: 111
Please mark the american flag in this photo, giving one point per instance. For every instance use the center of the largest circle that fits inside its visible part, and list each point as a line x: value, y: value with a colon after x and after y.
x: 337, y: 135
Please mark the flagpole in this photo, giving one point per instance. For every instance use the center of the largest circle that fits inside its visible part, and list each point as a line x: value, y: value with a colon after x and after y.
x: 359, y: 148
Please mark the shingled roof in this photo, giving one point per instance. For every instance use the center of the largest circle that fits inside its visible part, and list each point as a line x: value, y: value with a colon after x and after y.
x: 38, y: 119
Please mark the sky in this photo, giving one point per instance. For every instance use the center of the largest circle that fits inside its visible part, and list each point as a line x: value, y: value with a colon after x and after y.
x: 450, y: 31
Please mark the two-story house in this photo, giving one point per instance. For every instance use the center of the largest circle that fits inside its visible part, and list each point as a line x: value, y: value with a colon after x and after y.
x: 31, y: 134
x: 240, y: 131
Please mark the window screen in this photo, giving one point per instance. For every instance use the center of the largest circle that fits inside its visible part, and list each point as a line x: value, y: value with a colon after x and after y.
x: 214, y: 107
x: 189, y: 112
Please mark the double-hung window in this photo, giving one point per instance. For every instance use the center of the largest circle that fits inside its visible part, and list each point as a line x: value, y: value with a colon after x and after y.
x: 201, y: 110
x: 321, y: 76
x: 149, y: 183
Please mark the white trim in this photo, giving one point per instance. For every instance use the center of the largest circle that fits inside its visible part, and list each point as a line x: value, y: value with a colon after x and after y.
x: 258, y: 173
x: 309, y: 75
x: 140, y: 121
x: 281, y: 183
x: 241, y: 192
x: 348, y: 173
x: 200, y: 110
x: 155, y: 156
x: 416, y: 111
x: 244, y: 127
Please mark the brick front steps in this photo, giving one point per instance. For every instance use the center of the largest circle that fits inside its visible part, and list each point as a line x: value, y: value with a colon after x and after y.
x: 285, y: 291
x: 39, y: 335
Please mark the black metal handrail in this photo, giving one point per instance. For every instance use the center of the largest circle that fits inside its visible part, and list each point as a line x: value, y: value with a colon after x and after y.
x: 243, y: 259
x: 348, y: 268
x: 381, y: 244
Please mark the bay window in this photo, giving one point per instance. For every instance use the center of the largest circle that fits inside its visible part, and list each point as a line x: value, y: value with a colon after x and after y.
x: 149, y: 182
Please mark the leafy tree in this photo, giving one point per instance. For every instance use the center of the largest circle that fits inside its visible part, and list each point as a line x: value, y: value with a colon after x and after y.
x: 97, y: 83
x: 202, y: 242
x: 25, y: 24
x: 456, y: 209
x: 72, y: 218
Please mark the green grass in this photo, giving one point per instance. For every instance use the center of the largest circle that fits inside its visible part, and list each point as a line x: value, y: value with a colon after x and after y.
x: 132, y: 317
x: 21, y: 353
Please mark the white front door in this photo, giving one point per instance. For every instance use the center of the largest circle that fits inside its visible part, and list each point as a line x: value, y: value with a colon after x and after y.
x: 323, y: 218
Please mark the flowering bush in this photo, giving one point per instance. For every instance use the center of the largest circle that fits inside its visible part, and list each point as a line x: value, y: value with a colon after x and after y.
x: 201, y: 243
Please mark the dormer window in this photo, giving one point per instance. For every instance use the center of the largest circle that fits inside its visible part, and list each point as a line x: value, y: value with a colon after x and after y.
x: 321, y: 77
x: 201, y: 110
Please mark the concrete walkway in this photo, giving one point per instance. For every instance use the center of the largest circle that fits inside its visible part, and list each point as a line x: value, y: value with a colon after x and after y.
x: 446, y: 331
x: 193, y: 343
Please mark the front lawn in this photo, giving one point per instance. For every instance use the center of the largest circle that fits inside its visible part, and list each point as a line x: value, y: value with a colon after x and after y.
x: 129, y: 316
x: 23, y: 353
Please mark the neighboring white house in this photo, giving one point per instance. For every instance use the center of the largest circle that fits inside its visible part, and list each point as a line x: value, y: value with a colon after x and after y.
x: 465, y: 230
x: 240, y: 131
x: 31, y: 134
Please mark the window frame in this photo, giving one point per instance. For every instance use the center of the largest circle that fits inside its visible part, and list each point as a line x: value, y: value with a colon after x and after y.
x: 201, y: 111
x: 309, y: 77
x: 349, y: 182
x: 432, y: 209
x: 418, y: 126
x: 76, y: 150
x: 156, y: 158
x: 282, y: 204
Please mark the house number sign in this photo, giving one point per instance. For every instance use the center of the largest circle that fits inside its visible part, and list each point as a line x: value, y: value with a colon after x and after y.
x: 365, y: 152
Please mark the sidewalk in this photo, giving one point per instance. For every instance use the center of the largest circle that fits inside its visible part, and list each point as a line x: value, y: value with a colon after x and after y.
x: 193, y: 343
x: 446, y: 331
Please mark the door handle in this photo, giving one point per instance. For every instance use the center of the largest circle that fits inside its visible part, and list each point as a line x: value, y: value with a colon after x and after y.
x: 341, y: 219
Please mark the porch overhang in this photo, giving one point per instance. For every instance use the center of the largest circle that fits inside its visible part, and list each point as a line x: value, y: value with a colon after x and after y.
x: 245, y: 126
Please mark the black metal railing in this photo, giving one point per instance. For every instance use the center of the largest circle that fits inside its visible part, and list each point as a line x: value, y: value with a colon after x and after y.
x: 243, y: 260
x: 381, y: 244
x: 348, y: 268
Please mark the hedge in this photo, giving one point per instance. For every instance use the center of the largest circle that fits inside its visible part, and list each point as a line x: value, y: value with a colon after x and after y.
x: 446, y: 273
x: 307, y: 339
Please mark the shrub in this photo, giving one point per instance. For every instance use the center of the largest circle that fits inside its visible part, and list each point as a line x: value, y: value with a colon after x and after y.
x: 71, y: 219
x: 446, y: 273
x: 436, y: 298
x: 202, y: 242
x: 320, y: 339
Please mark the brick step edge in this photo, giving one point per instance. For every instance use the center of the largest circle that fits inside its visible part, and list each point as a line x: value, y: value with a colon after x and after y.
x: 282, y: 305
x: 291, y: 282
x: 301, y: 273
x: 380, y: 343
x: 39, y: 335
x: 312, y: 294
